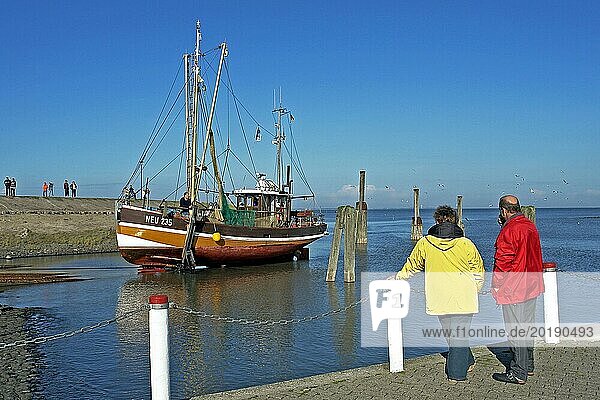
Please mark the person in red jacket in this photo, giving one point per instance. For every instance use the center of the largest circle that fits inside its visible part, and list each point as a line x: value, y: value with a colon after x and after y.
x: 517, y: 281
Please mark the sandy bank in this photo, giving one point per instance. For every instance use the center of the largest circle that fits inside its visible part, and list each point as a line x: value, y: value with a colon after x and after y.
x: 41, y: 226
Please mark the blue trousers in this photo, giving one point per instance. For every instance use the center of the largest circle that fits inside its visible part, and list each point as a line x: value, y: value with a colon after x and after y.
x: 460, y: 357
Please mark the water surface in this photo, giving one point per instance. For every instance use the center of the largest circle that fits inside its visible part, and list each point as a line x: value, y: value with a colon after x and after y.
x: 209, y: 356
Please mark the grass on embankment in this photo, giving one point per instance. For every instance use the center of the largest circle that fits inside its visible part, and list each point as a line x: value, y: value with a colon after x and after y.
x: 34, y: 226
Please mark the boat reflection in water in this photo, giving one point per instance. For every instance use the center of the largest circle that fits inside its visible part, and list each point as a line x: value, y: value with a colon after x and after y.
x: 209, y: 355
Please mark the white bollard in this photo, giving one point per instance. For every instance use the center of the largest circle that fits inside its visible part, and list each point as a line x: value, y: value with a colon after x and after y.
x: 551, y: 320
x: 389, y: 299
x: 395, y: 346
x: 158, y: 322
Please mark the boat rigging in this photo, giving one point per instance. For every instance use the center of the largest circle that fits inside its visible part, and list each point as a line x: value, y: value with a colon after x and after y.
x: 243, y: 225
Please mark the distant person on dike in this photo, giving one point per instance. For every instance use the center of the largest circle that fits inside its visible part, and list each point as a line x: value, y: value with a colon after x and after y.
x: 73, y: 189
x: 45, y: 189
x: 185, y: 202
x: 516, y: 283
x: 50, y: 188
x: 13, y: 187
x: 453, y: 278
x: 66, y: 187
x: 7, y: 186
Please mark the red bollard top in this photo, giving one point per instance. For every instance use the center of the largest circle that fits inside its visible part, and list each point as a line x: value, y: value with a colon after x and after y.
x: 549, y: 266
x: 158, y: 299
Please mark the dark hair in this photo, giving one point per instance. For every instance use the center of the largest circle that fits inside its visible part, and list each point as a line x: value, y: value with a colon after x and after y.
x: 444, y: 214
x: 508, y: 206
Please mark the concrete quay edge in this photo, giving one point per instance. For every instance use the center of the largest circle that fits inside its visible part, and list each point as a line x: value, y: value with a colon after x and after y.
x: 562, y: 372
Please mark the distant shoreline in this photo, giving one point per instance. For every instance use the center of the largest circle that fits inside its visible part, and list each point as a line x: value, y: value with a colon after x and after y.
x: 35, y: 226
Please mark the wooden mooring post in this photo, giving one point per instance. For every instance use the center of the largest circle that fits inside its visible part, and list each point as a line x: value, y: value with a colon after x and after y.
x: 416, y: 232
x: 361, y: 207
x: 459, y: 212
x: 350, y: 245
x: 335, y: 244
x: 345, y: 220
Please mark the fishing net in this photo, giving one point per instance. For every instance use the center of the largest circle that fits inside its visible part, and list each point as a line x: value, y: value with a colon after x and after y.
x: 236, y: 217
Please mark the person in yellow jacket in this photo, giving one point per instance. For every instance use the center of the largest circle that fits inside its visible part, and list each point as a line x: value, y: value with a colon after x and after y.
x: 454, y: 276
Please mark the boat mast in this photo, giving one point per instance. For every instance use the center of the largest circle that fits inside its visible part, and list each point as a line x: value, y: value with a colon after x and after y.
x: 209, y: 139
x: 279, y: 139
x: 193, y: 83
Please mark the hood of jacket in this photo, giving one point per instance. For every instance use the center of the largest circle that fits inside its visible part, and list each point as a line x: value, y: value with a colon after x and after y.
x: 441, y: 235
x: 446, y: 230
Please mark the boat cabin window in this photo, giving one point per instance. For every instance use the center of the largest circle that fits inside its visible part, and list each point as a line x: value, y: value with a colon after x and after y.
x: 249, y: 202
x: 262, y: 202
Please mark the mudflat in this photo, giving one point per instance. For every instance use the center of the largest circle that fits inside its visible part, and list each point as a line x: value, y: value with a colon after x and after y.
x: 18, y: 365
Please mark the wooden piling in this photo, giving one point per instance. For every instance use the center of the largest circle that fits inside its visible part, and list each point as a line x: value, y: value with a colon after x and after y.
x: 361, y: 207
x: 459, y: 212
x: 529, y: 212
x: 417, y: 224
x: 350, y: 244
x: 335, y: 244
x: 345, y: 220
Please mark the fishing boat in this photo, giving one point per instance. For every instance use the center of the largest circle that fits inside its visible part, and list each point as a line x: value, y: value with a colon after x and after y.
x: 219, y: 224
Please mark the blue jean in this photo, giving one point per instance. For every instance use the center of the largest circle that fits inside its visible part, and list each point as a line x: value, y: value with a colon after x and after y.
x: 460, y: 357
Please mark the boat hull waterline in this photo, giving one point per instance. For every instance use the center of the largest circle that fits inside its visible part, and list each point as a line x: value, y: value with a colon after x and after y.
x: 145, y: 237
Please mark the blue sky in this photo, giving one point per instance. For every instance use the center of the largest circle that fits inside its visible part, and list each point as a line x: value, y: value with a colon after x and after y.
x: 471, y: 98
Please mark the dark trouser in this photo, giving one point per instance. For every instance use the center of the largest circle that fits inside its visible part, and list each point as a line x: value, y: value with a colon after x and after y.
x: 456, y: 327
x: 515, y: 316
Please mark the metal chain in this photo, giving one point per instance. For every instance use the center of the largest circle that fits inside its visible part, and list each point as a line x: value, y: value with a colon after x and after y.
x: 271, y: 322
x: 201, y: 314
x: 85, y: 329
x: 244, y: 321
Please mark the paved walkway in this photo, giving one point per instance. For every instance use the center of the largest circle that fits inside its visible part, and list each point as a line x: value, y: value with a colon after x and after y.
x: 561, y: 373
